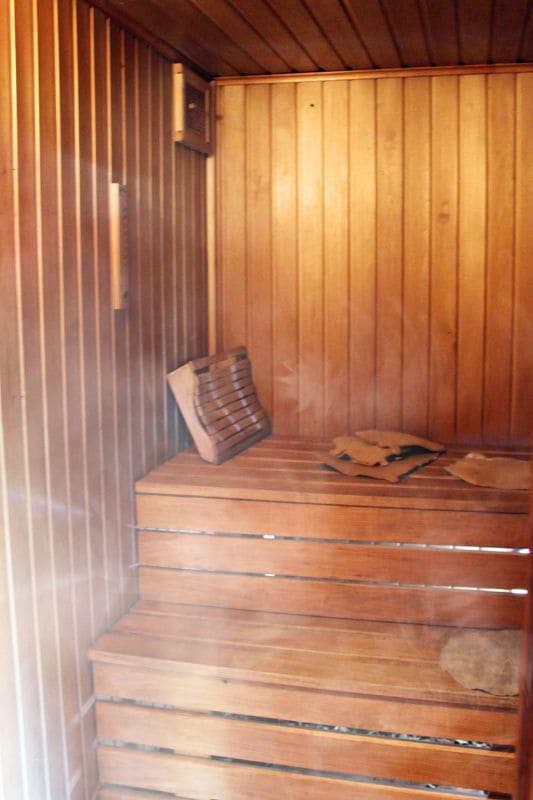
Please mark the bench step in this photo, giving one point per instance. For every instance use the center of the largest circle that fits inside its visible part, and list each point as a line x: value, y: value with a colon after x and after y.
x: 200, y: 779
x: 344, y: 697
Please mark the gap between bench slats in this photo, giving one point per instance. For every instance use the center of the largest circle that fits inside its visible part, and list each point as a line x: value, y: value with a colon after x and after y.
x: 205, y: 735
x: 199, y: 779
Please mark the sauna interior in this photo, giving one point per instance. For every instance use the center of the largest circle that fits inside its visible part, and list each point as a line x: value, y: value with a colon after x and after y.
x: 357, y: 214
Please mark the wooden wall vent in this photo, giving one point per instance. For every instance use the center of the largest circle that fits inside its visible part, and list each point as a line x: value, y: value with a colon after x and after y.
x: 191, y: 107
x: 219, y: 403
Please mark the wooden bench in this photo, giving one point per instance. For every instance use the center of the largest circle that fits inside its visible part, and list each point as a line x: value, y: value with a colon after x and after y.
x: 287, y: 638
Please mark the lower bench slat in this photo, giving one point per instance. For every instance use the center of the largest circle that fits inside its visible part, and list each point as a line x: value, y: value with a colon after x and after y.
x: 333, y: 599
x: 206, y: 735
x: 199, y: 779
x: 478, y: 529
x: 333, y: 561
x: 189, y: 692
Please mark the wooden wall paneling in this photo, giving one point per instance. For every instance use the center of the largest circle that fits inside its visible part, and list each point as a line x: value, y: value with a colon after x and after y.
x: 472, y: 213
x: 116, y: 58
x: 199, y: 256
x: 179, y: 247
x: 309, y: 103
x: 80, y: 586
x: 523, y: 321
x: 389, y: 262
x: 132, y: 104
x: 443, y: 310
x: 104, y: 315
x: 416, y: 254
x: 168, y: 257
x: 195, y: 342
x: 188, y: 238
x: 32, y: 558
x: 501, y: 121
x: 90, y: 400
x: 231, y: 198
x: 284, y: 258
x: 336, y: 243
x: 146, y: 245
x: 361, y: 398
x: 259, y: 238
x: 525, y: 729
x: 159, y: 356
x: 13, y: 754
x: 63, y: 703
x: 429, y: 345
x: 69, y: 398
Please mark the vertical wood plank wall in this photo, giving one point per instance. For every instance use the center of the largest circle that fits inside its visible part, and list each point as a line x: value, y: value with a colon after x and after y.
x: 83, y: 404
x: 374, y: 251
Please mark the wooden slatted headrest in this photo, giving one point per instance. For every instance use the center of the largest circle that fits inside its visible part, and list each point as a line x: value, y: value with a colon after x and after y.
x: 219, y: 403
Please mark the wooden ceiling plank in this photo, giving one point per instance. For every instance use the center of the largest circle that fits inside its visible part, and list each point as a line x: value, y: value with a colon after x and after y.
x: 214, y: 40
x: 167, y: 28
x: 308, y: 34
x: 239, y: 29
x: 508, y: 22
x: 474, y: 30
x: 441, y: 30
x: 526, y: 47
x: 406, y: 23
x: 338, y: 28
x: 371, y: 24
x: 282, y: 41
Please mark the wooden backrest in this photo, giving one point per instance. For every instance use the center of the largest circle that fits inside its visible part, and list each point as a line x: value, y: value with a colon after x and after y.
x: 218, y: 400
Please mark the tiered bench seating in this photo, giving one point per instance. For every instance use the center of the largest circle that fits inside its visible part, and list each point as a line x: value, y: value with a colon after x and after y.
x: 287, y: 637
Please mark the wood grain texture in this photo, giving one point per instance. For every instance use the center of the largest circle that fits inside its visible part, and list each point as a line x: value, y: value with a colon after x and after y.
x: 201, y: 780
x: 405, y: 277
x: 525, y: 730
x: 288, y: 470
x: 233, y: 697
x: 312, y: 520
x: 78, y: 379
x: 334, y: 599
x: 259, y: 37
x: 333, y: 561
x: 203, y: 735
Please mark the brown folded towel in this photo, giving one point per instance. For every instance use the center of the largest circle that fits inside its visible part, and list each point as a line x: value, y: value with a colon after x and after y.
x: 497, y: 473
x: 360, y: 451
x: 391, y: 472
x: 397, y: 440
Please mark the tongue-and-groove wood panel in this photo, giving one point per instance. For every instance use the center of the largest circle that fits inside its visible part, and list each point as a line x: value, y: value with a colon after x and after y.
x: 83, y: 409
x: 374, y: 250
